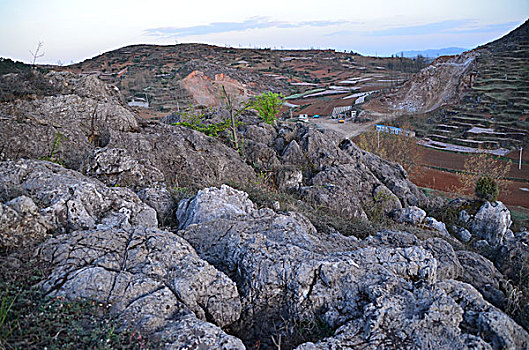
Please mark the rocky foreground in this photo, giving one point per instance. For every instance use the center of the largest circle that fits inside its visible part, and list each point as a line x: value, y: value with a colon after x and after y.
x: 214, y: 270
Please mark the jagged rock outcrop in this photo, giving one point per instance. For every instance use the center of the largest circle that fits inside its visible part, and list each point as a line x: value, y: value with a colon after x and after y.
x: 391, y: 287
x: 66, y: 200
x: 481, y: 273
x: 115, y: 167
x: 73, y: 126
x: 111, y: 250
x: 161, y: 200
x: 327, y: 173
x: 409, y: 215
x: 153, y: 279
x: 491, y: 222
x: 20, y: 221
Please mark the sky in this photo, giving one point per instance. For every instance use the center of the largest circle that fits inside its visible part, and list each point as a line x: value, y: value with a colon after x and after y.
x: 74, y: 30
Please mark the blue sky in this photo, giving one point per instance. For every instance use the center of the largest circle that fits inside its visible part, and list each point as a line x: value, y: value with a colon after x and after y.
x: 75, y: 30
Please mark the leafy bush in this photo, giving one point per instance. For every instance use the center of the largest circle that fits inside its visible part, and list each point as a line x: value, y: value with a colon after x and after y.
x: 267, y: 106
x: 487, y: 189
x: 482, y: 164
x: 196, y: 120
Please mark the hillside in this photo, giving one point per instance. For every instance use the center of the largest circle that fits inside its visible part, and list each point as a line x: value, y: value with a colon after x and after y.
x: 169, y: 77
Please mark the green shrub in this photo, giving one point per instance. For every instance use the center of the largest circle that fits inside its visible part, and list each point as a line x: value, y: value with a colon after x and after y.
x: 267, y: 105
x: 487, y: 189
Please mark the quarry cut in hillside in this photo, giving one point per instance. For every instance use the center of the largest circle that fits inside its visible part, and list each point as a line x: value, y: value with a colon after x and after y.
x: 443, y: 82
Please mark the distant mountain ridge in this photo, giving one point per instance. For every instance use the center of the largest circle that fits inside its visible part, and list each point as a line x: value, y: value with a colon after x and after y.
x: 432, y: 53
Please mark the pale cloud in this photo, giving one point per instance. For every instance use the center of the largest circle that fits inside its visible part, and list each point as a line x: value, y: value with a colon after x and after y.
x: 225, y: 27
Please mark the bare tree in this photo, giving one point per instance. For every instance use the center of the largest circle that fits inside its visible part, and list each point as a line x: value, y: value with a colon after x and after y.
x: 37, y: 53
x: 233, y: 114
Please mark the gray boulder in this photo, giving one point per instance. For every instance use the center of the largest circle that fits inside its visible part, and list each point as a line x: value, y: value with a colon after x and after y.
x: 152, y: 279
x: 491, y: 222
x: 454, y: 309
x: 409, y: 215
x: 481, y: 273
x: 161, y: 200
x: 69, y: 201
x: 21, y: 222
x: 461, y: 233
x: 115, y: 167
x: 436, y: 225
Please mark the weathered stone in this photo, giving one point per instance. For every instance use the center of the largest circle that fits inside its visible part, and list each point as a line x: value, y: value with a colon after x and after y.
x: 21, y: 222
x: 161, y: 200
x: 70, y: 128
x: 153, y: 279
x: 409, y: 215
x: 491, y: 222
x: 70, y: 201
x: 115, y: 167
x: 482, y: 274
x: 289, y: 178
x: 461, y: 233
x: 449, y: 266
x: 386, y: 286
x: 436, y: 225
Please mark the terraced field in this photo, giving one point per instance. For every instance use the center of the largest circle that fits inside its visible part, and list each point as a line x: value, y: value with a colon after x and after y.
x: 494, y: 112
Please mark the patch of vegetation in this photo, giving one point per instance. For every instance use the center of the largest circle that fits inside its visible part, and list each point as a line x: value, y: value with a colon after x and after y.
x: 267, y: 105
x: 58, y: 138
x: 9, y: 66
x: 196, y: 119
x: 31, y: 320
x: 487, y: 189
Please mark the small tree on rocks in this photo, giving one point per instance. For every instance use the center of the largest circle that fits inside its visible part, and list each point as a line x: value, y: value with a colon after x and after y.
x: 487, y: 189
x: 267, y: 106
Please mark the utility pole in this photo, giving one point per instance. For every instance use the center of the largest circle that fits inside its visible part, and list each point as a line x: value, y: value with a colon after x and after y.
x: 520, y: 163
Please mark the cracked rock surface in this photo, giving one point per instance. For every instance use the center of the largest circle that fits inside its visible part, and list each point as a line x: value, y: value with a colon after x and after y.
x: 152, y: 278
x: 65, y: 200
x: 388, y: 290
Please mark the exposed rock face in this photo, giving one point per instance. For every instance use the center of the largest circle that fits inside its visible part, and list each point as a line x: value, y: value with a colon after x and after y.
x: 69, y: 201
x: 20, y: 221
x: 491, y: 222
x: 391, y: 287
x: 409, y: 215
x: 72, y: 128
x: 482, y: 274
x: 115, y: 167
x: 161, y: 200
x: 436, y: 225
x: 442, y: 82
x: 112, y: 251
x: 337, y: 176
x: 153, y: 279
x: 462, y: 234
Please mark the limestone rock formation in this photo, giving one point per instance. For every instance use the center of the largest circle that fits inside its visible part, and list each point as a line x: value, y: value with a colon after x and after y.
x: 69, y: 201
x: 491, y: 222
x: 87, y: 115
x: 372, y: 292
x: 153, y: 279
x: 329, y: 173
x: 409, y: 215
